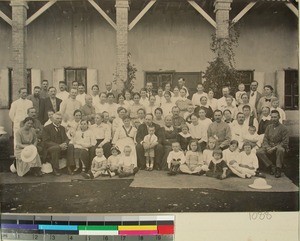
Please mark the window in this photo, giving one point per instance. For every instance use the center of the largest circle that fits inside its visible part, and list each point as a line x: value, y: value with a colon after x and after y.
x: 7, y: 87
x: 159, y: 79
x: 247, y: 76
x: 291, y: 91
x: 75, y: 74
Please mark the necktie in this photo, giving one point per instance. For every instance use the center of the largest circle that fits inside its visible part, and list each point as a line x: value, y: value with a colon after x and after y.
x: 252, y: 94
x: 268, y: 100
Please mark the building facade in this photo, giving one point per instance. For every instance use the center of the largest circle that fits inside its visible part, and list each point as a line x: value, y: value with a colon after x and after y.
x: 90, y: 40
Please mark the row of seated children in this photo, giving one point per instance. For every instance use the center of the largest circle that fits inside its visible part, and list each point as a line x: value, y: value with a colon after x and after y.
x: 116, y: 164
x: 214, y: 162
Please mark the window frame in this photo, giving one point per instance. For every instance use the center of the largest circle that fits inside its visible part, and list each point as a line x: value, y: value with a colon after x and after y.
x: 293, y: 83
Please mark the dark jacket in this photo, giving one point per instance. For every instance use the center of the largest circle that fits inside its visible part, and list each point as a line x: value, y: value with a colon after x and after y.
x: 45, y: 106
x: 52, y: 137
x: 142, y: 131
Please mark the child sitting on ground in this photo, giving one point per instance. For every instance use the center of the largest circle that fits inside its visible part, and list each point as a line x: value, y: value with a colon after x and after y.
x: 127, y: 166
x: 218, y: 167
x: 232, y: 152
x: 175, y: 159
x: 184, y: 137
x: 207, y: 153
x: 98, y: 167
x: 149, y: 142
x: 248, y: 160
x: 253, y: 137
x: 193, y: 161
x: 113, y: 162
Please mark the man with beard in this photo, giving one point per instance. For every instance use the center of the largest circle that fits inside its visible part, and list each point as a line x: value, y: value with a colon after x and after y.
x: 275, y: 145
x: 220, y: 131
x: 36, y: 100
x: 63, y: 94
x: 44, y: 89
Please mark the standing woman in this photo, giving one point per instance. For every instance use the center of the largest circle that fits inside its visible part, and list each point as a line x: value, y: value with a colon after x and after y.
x: 245, y: 101
x: 204, y: 105
x: 26, y: 136
x: 158, y: 117
x: 152, y: 105
x: 95, y: 94
x: 213, y: 102
x: 176, y: 95
x: 168, y: 88
x: 125, y: 136
x: 135, y: 106
x: 118, y: 121
x: 198, y: 132
x: 204, y: 122
x: 170, y: 134
x: 128, y: 98
x: 121, y: 101
x: 168, y: 105
x: 183, y: 102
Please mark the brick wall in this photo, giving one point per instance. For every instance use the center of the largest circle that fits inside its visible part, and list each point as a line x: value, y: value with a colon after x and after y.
x: 222, y: 8
x: 19, y: 16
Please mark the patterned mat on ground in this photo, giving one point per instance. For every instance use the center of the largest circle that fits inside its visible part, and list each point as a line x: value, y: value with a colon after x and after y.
x: 11, y: 178
x: 160, y: 179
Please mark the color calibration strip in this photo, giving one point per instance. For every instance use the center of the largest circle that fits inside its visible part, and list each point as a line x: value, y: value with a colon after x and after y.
x: 157, y: 227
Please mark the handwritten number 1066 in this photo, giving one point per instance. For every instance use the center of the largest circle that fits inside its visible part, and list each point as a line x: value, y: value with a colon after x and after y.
x: 260, y: 216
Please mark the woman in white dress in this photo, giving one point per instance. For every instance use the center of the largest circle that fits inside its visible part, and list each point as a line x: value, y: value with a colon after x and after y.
x: 26, y: 136
x: 125, y: 136
x: 211, y: 100
x: 73, y: 126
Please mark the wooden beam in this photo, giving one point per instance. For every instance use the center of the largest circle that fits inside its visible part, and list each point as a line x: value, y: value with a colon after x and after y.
x: 5, y: 18
x: 103, y: 14
x: 203, y: 13
x: 243, y: 12
x: 292, y: 8
x: 40, y: 12
x: 141, y: 14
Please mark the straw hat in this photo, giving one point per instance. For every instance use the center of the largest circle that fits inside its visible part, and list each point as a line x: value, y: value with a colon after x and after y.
x: 2, y: 131
x: 46, y: 168
x: 28, y: 153
x: 13, y: 168
x: 115, y: 148
x: 260, y: 183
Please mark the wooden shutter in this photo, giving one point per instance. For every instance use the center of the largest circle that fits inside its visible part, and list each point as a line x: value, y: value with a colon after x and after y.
x: 92, y: 79
x: 280, y: 86
x: 36, y: 78
x: 58, y: 75
x: 4, y: 83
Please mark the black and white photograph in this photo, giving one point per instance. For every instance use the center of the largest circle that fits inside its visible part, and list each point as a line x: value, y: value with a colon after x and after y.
x: 149, y: 106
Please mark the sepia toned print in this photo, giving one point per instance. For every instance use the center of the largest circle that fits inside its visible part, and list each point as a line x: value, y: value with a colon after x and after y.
x: 116, y: 106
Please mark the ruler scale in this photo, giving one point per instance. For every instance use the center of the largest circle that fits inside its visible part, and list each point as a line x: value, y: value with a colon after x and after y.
x: 86, y: 228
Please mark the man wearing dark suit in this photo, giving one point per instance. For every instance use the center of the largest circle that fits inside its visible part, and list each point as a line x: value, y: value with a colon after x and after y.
x: 158, y: 149
x: 108, y: 86
x: 254, y: 95
x: 49, y: 103
x: 149, y: 89
x: 56, y: 144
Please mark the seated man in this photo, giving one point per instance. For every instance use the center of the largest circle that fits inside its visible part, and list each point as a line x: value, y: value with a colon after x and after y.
x: 275, y: 144
x: 142, y: 131
x: 56, y: 144
x: 220, y: 131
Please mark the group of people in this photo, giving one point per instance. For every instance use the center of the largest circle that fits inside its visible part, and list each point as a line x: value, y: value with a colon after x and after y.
x: 109, y: 133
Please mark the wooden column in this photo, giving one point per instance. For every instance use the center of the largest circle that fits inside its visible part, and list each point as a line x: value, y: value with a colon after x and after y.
x: 122, y: 7
x: 19, y: 37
